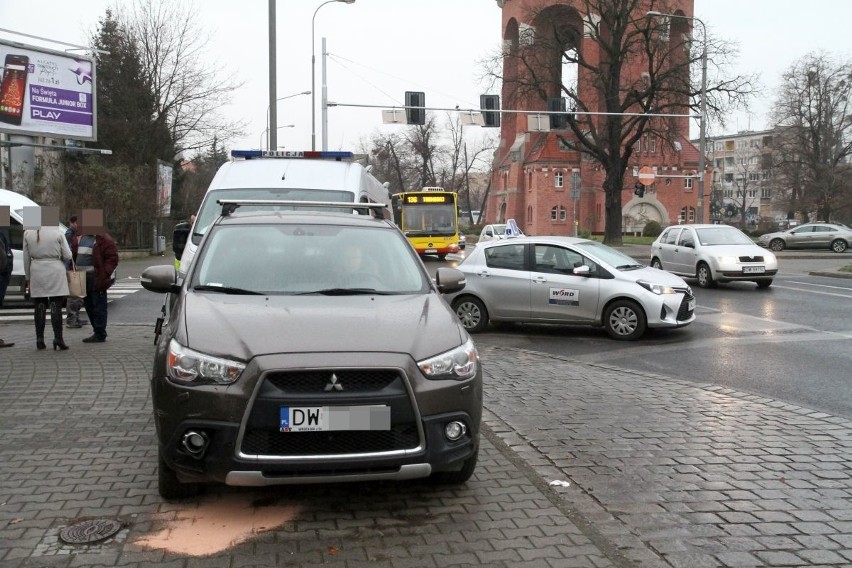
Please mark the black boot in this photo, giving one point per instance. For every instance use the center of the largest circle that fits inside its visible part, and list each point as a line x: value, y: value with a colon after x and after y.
x: 40, y: 316
x: 56, y: 322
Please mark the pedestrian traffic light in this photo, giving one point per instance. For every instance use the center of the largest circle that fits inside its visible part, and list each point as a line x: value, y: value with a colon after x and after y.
x: 557, y: 121
x: 639, y: 189
x: 415, y: 115
x: 490, y: 103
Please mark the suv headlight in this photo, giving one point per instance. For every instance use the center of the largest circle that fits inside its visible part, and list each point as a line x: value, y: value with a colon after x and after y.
x: 658, y: 289
x: 458, y: 364
x: 190, y: 367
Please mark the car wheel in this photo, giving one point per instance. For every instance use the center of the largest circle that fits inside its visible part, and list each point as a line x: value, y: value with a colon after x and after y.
x: 777, y: 245
x: 456, y: 477
x: 655, y: 263
x: 472, y: 313
x: 838, y: 245
x: 170, y: 487
x: 625, y: 320
x: 764, y: 283
x: 705, y: 277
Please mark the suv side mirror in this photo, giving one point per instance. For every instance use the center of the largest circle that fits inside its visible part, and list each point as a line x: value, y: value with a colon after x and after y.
x: 449, y: 280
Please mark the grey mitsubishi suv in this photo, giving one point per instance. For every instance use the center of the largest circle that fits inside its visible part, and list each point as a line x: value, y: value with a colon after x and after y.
x: 310, y: 347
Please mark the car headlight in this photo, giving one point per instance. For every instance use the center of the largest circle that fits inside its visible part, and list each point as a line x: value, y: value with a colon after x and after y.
x: 458, y: 364
x: 658, y: 289
x: 188, y: 367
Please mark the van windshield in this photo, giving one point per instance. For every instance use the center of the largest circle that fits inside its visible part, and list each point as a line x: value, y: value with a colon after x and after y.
x: 210, y: 210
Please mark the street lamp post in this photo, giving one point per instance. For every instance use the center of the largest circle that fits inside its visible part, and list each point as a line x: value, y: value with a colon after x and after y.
x: 702, y: 128
x: 260, y: 141
x: 313, y: 72
x: 269, y: 127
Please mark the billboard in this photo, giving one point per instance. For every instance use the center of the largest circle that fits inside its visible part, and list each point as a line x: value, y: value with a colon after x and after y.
x: 46, y: 93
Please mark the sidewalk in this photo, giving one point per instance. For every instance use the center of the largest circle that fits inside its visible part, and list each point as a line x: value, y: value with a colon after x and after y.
x: 653, y: 471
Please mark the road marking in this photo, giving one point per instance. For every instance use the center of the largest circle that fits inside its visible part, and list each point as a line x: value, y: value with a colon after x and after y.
x: 820, y: 292
x: 118, y: 290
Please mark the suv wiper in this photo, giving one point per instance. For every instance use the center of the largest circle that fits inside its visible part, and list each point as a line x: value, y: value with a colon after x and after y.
x: 345, y: 292
x: 226, y: 290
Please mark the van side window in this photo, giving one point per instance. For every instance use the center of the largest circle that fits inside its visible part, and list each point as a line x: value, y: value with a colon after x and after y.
x: 16, y: 234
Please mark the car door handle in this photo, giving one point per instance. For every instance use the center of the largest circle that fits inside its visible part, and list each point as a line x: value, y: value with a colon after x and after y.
x: 483, y: 274
x: 539, y: 280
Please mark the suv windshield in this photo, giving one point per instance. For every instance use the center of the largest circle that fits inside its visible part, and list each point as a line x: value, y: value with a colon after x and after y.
x: 307, y: 259
x: 210, y: 209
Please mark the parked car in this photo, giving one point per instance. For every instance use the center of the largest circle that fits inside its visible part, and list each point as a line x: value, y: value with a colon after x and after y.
x: 713, y: 254
x: 498, y: 231
x: 264, y: 375
x: 833, y: 236
x: 566, y: 280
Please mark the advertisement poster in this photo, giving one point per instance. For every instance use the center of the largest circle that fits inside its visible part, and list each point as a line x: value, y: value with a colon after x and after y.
x: 46, y: 93
x: 164, y: 188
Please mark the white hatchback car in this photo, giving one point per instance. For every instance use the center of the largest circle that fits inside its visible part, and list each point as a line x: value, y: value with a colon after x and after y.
x: 713, y: 254
x: 568, y: 281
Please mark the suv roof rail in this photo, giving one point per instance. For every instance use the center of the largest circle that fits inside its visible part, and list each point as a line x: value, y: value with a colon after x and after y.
x: 230, y: 205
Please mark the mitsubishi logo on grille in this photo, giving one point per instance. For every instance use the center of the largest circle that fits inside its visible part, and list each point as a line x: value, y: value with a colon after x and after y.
x: 333, y: 384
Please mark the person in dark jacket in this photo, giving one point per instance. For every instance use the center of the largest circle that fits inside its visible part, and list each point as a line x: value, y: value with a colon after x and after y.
x: 6, y: 260
x: 98, y: 256
x: 73, y: 305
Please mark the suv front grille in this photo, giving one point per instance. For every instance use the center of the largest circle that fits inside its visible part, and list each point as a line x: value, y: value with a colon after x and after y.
x: 350, y: 380
x: 330, y: 388
x: 267, y: 442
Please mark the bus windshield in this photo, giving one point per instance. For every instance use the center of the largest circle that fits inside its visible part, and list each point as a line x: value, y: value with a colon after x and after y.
x: 429, y: 219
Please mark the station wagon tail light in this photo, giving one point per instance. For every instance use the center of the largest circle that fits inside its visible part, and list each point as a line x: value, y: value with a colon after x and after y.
x: 456, y: 364
x: 658, y: 289
x: 190, y: 367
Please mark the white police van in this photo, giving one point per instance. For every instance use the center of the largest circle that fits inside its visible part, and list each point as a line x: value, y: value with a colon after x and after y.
x: 282, y: 175
x: 16, y: 203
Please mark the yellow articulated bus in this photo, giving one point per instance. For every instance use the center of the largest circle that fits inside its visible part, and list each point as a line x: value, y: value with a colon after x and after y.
x: 429, y: 218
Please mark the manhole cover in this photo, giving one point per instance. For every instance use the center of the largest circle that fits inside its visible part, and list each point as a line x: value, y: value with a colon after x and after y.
x: 89, y: 531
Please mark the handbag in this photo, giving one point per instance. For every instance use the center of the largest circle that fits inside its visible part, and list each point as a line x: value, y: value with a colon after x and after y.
x: 76, y: 282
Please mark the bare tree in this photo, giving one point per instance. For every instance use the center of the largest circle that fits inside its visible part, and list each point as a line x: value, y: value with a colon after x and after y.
x: 189, y: 89
x: 605, y: 86
x: 814, y: 116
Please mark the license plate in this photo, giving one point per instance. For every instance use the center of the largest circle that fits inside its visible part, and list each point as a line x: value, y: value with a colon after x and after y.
x: 331, y: 418
x: 690, y: 305
x: 753, y: 269
x: 428, y: 251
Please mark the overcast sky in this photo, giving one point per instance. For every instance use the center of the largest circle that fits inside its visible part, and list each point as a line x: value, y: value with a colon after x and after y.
x: 381, y: 48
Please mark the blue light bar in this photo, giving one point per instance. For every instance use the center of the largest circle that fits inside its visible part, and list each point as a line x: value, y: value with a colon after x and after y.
x: 327, y: 155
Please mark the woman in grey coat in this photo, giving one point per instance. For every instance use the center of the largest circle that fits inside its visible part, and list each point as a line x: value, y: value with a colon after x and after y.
x: 45, y: 253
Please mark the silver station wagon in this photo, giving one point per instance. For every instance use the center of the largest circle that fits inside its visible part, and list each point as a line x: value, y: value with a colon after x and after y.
x: 310, y: 347
x: 565, y: 280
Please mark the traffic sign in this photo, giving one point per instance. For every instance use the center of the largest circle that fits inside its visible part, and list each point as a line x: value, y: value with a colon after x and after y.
x: 646, y: 176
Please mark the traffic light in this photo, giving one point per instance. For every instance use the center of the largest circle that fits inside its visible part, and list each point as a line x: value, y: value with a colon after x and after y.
x: 415, y: 115
x: 557, y: 121
x: 639, y: 189
x: 490, y: 103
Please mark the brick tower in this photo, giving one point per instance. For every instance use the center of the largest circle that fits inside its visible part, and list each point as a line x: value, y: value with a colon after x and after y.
x: 534, y: 172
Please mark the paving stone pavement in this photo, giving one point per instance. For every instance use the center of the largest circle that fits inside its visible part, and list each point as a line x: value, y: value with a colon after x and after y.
x: 660, y: 473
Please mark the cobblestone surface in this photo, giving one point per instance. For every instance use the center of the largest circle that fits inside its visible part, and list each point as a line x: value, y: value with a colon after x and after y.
x: 660, y: 473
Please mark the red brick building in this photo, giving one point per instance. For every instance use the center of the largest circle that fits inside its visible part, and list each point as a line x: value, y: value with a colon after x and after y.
x: 532, y: 175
